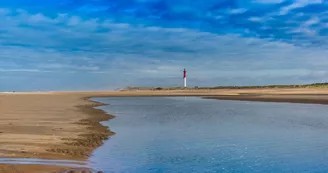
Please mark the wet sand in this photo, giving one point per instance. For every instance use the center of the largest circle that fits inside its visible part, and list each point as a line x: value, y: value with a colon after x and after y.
x: 50, y: 126
x: 284, y: 98
x: 64, y: 125
x: 29, y: 168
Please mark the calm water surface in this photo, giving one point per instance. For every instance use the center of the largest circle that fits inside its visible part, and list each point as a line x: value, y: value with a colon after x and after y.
x: 177, y: 134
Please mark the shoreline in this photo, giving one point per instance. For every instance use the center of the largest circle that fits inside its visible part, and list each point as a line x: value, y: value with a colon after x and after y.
x: 77, y: 140
x: 74, y: 120
x: 297, y: 99
x: 97, y: 134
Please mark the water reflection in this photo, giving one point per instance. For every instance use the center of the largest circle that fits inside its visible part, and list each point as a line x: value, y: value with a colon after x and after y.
x: 195, y: 135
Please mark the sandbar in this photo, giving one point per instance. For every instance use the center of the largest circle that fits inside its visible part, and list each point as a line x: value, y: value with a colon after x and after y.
x: 65, y: 125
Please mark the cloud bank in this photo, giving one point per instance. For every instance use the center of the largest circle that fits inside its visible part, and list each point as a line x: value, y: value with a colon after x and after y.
x: 90, y: 45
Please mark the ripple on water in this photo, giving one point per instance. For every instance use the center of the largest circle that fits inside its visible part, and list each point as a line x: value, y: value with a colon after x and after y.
x: 160, y: 134
x: 80, y: 170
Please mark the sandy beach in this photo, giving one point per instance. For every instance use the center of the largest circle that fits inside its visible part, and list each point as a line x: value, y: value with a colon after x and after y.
x: 65, y: 125
x: 50, y: 126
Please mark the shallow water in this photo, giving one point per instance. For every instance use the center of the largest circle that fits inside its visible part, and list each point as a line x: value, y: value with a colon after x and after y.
x: 177, y: 134
x: 33, y: 161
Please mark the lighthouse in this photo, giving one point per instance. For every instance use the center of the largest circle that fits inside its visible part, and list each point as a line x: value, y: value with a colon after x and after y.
x: 185, y: 78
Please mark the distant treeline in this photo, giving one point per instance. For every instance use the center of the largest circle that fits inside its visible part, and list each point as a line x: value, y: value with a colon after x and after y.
x: 314, y: 85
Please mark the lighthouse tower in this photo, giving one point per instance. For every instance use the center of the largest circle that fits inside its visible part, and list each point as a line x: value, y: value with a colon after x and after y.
x: 184, y: 78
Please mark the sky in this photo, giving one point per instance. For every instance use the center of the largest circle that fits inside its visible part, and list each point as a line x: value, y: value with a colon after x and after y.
x: 108, y: 44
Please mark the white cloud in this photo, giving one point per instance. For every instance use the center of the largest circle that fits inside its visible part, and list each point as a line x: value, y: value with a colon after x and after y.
x: 298, y: 4
x: 237, y: 11
x: 56, y: 66
x: 256, y: 19
x: 70, y: 43
x: 268, y: 1
x: 312, y: 21
x: 4, y: 11
x: 22, y: 70
x: 38, y: 18
x: 74, y: 20
x: 305, y: 31
x: 305, y: 28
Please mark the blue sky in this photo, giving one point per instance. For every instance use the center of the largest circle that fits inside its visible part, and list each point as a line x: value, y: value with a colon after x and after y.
x: 106, y: 44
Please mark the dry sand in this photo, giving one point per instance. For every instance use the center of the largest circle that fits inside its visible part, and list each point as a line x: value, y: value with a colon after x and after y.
x: 64, y: 125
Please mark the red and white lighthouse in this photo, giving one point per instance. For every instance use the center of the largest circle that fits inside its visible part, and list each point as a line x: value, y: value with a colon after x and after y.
x: 184, y: 78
